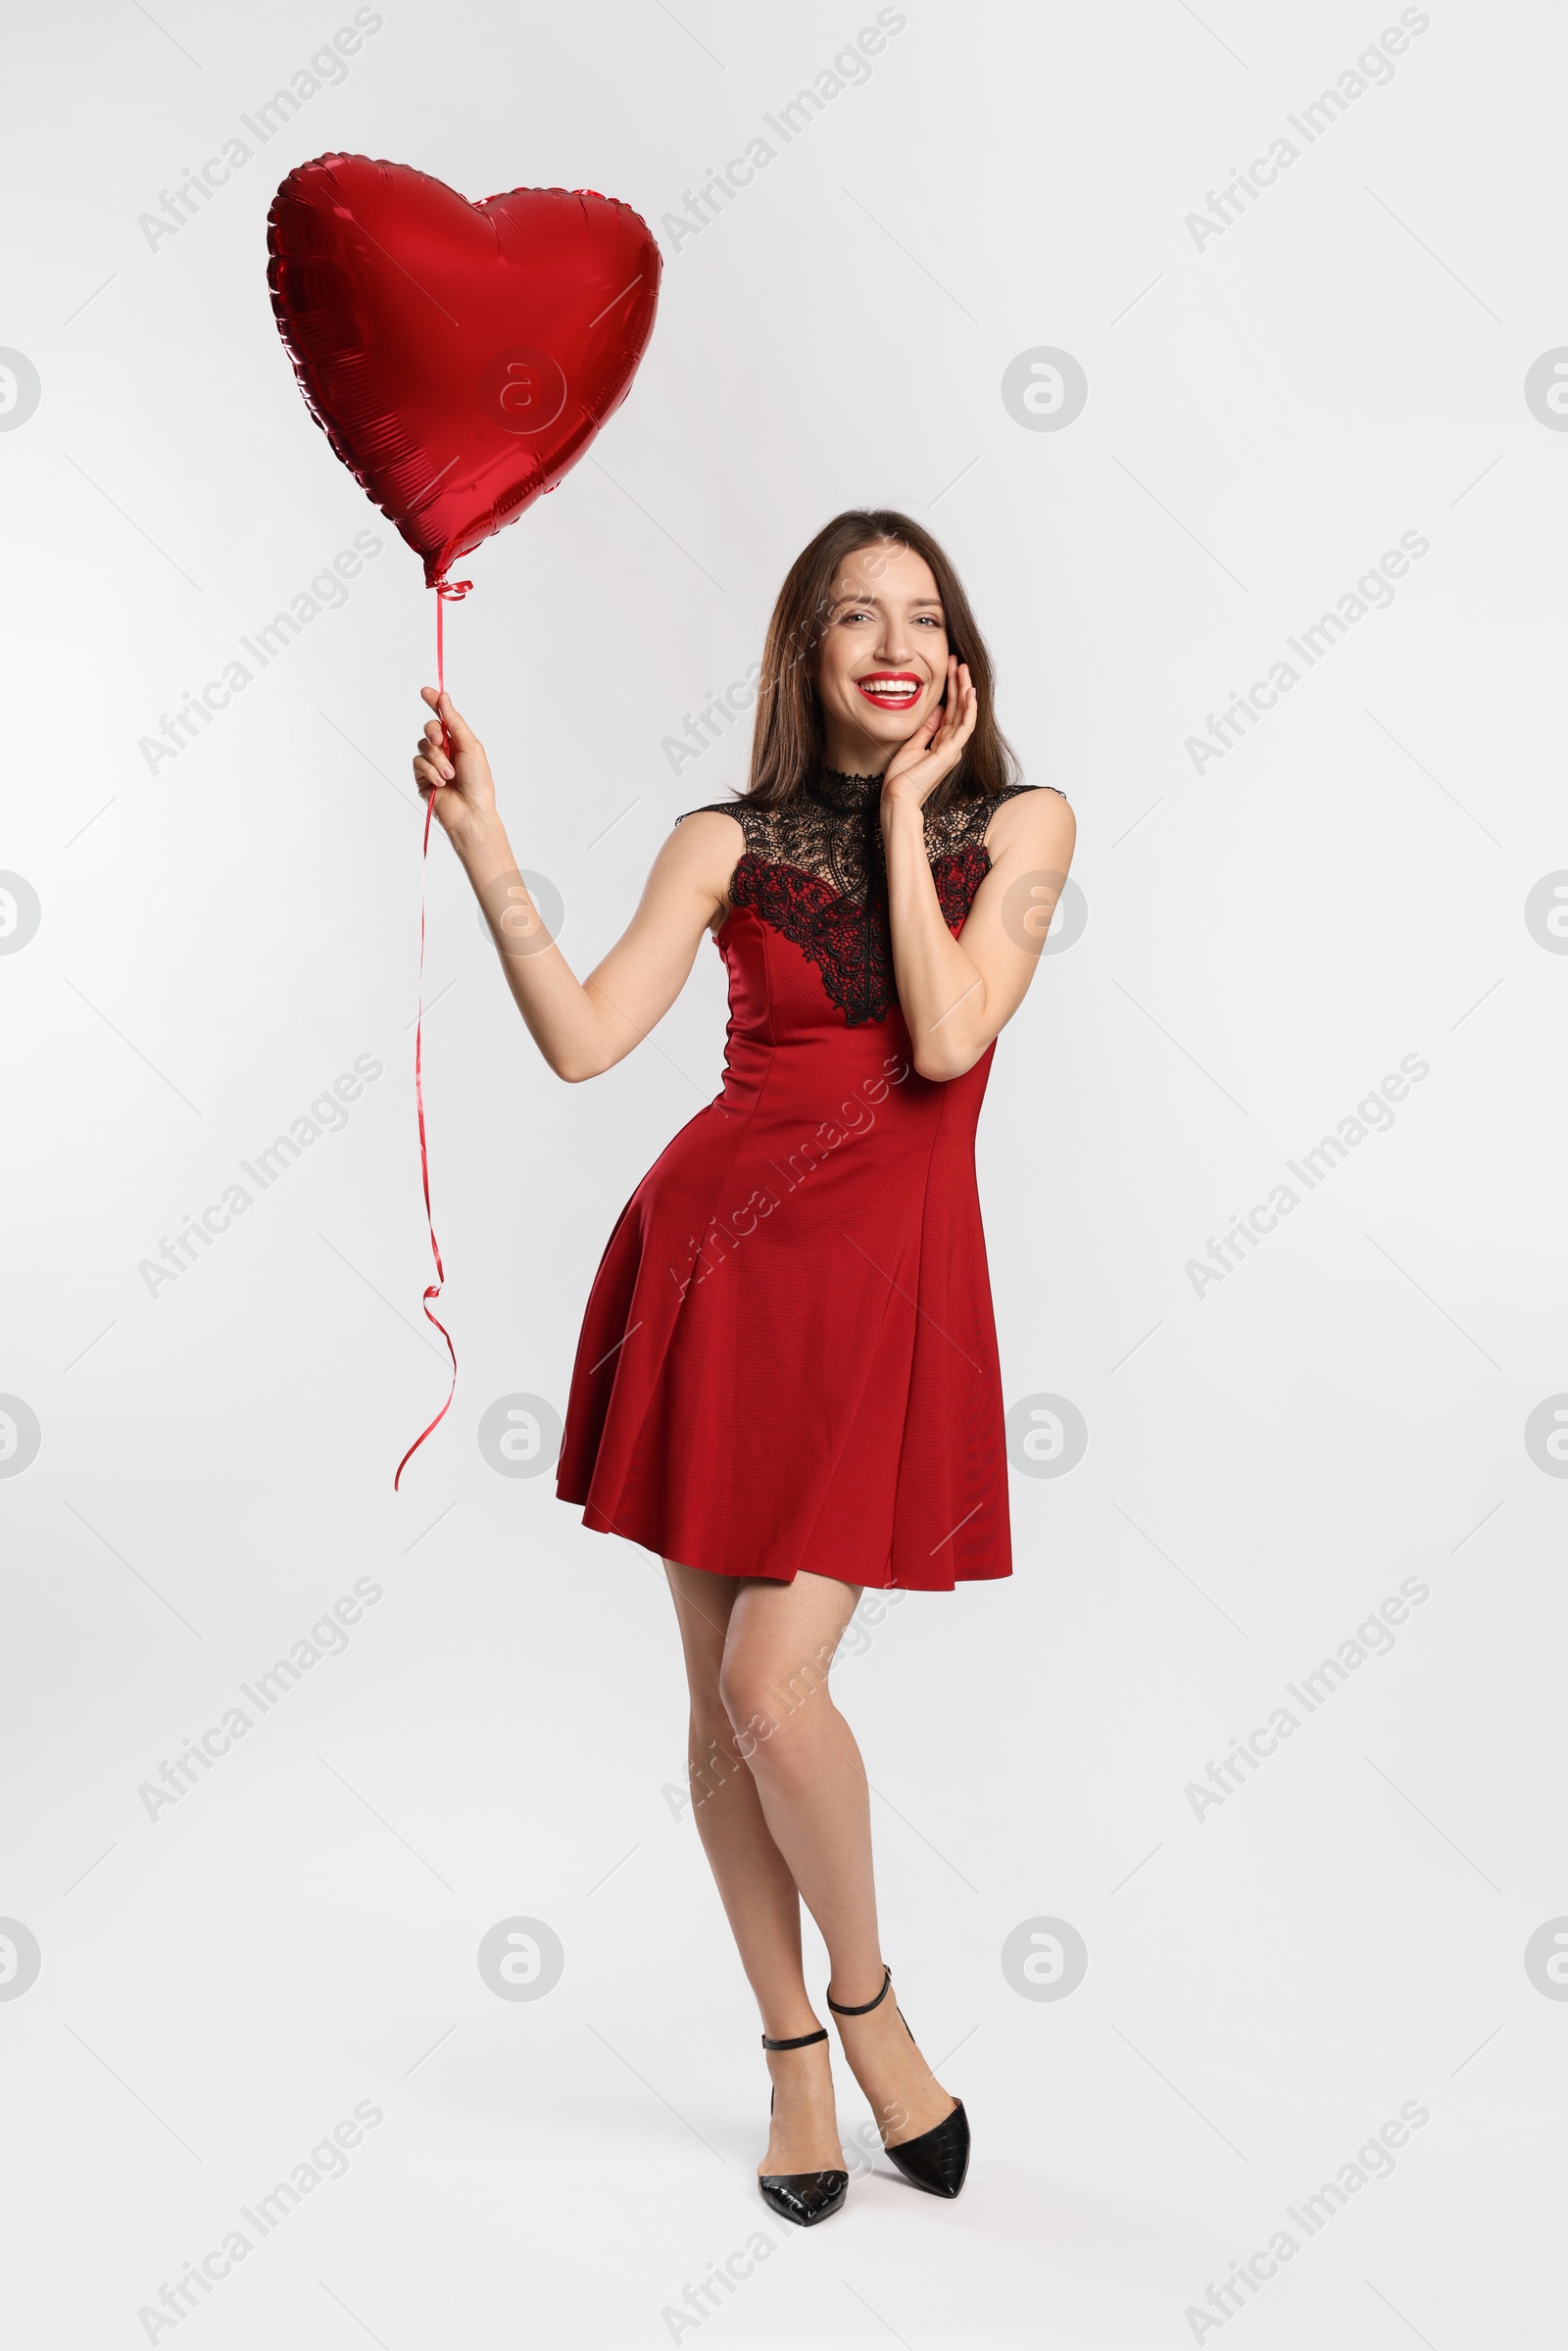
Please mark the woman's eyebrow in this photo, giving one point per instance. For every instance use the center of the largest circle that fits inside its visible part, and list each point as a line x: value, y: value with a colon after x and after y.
x: 921, y: 604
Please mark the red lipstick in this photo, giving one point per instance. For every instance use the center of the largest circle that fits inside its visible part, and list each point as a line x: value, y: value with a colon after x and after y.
x: 890, y: 689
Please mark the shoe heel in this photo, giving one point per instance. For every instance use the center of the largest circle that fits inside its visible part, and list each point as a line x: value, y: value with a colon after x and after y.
x: 938, y: 2161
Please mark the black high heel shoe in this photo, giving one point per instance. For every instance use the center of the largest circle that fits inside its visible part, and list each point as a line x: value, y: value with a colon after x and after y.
x: 939, y: 2159
x: 805, y: 2197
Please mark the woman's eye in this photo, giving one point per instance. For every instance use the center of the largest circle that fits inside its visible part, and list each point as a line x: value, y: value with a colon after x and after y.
x: 924, y: 620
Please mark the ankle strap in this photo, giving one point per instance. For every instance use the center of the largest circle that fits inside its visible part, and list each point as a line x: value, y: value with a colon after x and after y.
x: 866, y: 2006
x: 802, y: 2040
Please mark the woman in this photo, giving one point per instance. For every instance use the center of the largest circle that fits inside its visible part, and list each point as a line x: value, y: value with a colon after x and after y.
x: 787, y: 1383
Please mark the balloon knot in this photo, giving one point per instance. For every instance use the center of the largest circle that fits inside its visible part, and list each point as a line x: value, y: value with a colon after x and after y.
x: 452, y: 591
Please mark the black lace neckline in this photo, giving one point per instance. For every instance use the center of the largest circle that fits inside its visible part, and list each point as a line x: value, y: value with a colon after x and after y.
x: 814, y: 869
x: 836, y: 790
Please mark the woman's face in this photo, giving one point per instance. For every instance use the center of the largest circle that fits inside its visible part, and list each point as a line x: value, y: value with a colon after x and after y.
x: 882, y: 658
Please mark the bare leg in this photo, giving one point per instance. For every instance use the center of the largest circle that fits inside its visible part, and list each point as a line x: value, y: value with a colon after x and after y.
x: 759, y: 1895
x: 815, y: 1801
x: 783, y: 1810
x: 801, y: 1754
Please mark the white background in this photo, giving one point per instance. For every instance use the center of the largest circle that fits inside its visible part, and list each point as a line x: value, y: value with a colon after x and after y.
x: 1266, y: 1462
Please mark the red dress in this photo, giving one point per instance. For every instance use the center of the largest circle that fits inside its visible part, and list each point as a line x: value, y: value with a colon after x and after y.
x: 788, y: 1358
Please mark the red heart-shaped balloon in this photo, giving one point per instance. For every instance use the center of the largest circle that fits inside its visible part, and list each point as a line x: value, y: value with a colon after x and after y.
x: 458, y: 356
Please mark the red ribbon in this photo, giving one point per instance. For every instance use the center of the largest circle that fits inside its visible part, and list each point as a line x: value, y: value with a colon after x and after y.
x: 453, y: 591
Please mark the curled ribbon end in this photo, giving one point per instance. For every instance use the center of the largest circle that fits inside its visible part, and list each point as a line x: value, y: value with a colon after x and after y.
x: 434, y: 1292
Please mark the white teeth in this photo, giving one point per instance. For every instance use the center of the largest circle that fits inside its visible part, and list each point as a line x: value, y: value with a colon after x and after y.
x: 888, y: 687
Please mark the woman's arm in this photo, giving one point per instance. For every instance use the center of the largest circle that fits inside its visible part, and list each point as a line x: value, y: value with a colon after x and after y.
x: 958, y: 994
x: 581, y: 1027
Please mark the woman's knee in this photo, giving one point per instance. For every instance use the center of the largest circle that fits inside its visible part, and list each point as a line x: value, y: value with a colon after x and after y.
x: 762, y: 1701
x: 759, y: 1676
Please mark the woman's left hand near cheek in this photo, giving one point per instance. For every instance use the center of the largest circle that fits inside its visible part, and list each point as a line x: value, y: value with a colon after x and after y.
x: 937, y: 743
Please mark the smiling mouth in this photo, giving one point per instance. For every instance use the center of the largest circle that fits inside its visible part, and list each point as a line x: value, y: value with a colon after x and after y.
x: 890, y: 689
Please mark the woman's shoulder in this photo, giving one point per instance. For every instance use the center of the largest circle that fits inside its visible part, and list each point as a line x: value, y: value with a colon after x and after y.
x: 966, y: 823
x: 757, y: 825
x: 994, y: 799
x: 1037, y: 813
x: 717, y: 808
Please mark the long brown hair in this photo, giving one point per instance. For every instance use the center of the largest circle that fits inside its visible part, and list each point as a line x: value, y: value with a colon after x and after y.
x: 788, y: 745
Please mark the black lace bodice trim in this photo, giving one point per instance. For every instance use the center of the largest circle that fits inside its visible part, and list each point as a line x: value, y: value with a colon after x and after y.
x: 833, y: 789
x: 815, y: 871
